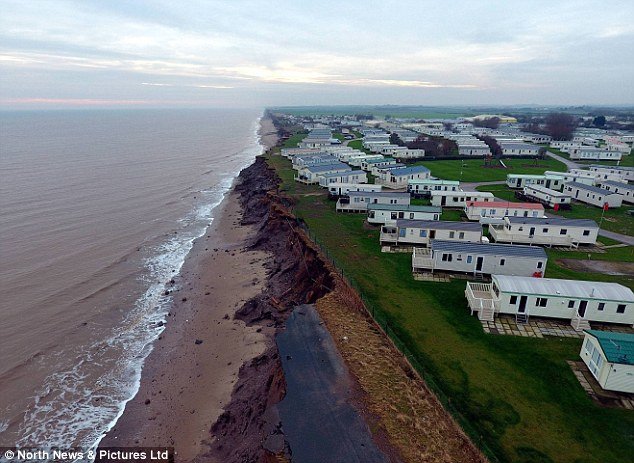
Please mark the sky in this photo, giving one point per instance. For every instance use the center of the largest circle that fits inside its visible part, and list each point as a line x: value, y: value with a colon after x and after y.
x: 234, y: 53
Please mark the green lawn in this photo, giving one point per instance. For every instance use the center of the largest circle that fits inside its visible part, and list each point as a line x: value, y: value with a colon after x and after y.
x: 358, y: 145
x: 518, y: 393
x: 294, y: 140
x: 474, y: 170
x: 617, y: 220
x: 500, y: 191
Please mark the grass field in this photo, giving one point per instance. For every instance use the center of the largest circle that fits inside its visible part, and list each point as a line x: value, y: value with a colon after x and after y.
x: 617, y: 220
x: 519, y: 393
x: 474, y: 170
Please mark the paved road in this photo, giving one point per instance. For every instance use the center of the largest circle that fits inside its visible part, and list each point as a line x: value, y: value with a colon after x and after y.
x: 569, y: 164
x: 471, y: 186
x: 319, y: 420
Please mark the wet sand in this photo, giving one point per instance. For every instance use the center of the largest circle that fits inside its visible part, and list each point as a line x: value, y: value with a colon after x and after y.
x: 190, y: 375
x: 185, y: 385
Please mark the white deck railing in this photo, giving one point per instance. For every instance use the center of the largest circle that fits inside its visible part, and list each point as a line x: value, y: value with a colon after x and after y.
x: 421, y: 258
x: 480, y: 300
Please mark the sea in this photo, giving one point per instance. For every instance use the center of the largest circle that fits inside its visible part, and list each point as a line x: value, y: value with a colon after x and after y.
x: 98, y: 211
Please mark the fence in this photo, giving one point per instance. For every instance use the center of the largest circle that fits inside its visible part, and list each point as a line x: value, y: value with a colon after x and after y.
x: 382, y: 320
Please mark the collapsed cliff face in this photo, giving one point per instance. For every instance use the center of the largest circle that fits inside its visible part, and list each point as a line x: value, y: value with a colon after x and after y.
x: 296, y: 275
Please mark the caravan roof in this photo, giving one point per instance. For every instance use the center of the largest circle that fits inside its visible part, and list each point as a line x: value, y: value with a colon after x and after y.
x: 488, y: 248
x: 564, y: 288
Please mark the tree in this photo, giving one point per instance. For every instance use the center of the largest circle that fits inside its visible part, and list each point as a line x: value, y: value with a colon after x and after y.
x: 599, y: 121
x: 396, y: 140
x: 494, y: 146
x: 489, y: 122
x: 560, y: 126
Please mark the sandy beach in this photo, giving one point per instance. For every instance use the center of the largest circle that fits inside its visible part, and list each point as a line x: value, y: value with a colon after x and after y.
x: 189, y: 377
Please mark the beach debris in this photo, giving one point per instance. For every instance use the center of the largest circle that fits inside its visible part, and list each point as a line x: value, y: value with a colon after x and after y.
x: 167, y: 292
x: 198, y: 341
x: 184, y: 299
x: 147, y: 401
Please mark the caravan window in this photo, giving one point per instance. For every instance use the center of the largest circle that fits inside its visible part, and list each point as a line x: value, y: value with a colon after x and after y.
x: 447, y: 257
x: 411, y: 215
x: 586, y: 232
x: 541, y: 302
x: 601, y: 306
x: 513, y: 300
x: 452, y: 234
x: 620, y: 308
x: 571, y: 304
x: 423, y: 233
x: 502, y: 261
x: 563, y: 231
x: 469, y: 259
x: 401, y: 232
x: 393, y: 215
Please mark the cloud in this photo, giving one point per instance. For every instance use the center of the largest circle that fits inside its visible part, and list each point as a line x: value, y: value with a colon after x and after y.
x: 411, y: 47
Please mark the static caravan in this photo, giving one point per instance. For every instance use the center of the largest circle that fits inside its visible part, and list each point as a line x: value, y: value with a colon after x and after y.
x: 576, y: 175
x: 459, y: 198
x: 311, y: 174
x: 314, y: 142
x: 593, y: 195
x: 480, y: 258
x: 384, y: 213
x: 581, y: 302
x: 473, y: 149
x: 554, y: 182
x: 477, y: 210
x: 610, y: 358
x: 627, y: 173
x: 290, y: 153
x: 624, y: 189
x: 347, y: 155
x: 350, y: 176
x: 398, y: 178
x: 598, y: 176
x: 403, y: 152
x: 356, y: 161
x: 595, y: 154
x: 368, y: 164
x: 519, y: 149
x: 422, y: 232
x: 306, y: 160
x: 545, y: 231
x: 549, y: 198
x: 380, y: 171
x: 424, y: 187
x: 357, y: 201
x: 342, y: 189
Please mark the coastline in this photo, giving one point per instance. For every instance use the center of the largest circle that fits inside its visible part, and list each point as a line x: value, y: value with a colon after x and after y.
x: 222, y: 400
x: 186, y: 383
